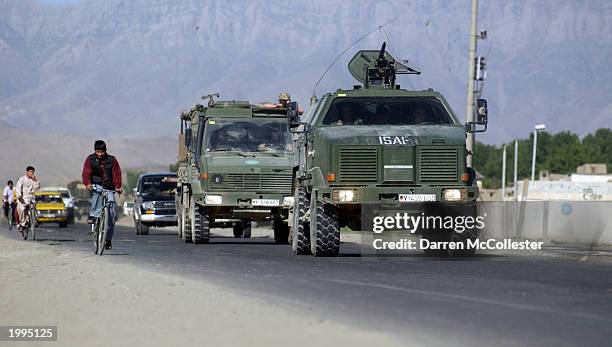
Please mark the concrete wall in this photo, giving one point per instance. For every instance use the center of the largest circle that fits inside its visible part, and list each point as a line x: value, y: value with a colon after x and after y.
x: 583, y: 222
x: 565, y: 191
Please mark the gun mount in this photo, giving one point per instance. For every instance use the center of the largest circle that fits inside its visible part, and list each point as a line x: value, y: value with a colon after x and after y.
x: 378, y: 69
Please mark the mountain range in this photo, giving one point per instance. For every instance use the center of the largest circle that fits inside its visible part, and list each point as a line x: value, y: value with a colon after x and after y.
x: 124, y: 68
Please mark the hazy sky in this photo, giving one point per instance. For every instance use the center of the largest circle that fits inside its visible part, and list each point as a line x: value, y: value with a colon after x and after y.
x: 54, y: 2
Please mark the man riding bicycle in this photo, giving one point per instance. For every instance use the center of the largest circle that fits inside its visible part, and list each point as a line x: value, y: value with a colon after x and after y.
x: 102, y: 169
x: 26, y: 186
x: 7, y: 200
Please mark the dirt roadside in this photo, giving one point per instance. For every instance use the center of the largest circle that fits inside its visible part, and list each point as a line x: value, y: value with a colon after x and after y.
x: 98, y: 301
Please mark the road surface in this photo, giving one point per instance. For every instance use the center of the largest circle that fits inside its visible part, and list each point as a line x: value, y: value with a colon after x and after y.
x: 561, y: 296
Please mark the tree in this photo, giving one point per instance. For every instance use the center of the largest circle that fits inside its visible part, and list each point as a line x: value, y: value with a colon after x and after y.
x: 132, y: 179
x: 558, y: 153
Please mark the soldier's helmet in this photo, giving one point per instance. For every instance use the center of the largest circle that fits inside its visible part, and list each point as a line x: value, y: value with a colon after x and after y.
x: 284, y: 96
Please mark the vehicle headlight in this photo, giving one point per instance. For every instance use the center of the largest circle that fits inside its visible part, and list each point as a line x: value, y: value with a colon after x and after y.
x: 453, y: 194
x: 288, y: 201
x: 344, y: 195
x: 213, y: 200
x: 61, y: 212
x: 149, y: 205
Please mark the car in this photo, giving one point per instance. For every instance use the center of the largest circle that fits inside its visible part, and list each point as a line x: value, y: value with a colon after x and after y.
x: 154, y: 201
x: 67, y: 198
x: 128, y: 208
x: 50, y: 208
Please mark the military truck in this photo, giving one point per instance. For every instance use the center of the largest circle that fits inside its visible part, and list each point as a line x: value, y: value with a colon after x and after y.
x: 235, y: 168
x: 376, y: 144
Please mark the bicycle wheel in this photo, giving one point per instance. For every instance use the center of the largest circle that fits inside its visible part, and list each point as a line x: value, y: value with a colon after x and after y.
x: 96, y: 230
x: 32, y: 222
x: 10, y: 218
x: 102, y: 232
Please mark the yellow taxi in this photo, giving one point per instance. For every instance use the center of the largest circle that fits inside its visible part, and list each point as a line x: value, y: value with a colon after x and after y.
x: 50, y: 208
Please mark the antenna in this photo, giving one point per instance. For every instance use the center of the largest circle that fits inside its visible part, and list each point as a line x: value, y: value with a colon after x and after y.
x: 314, y: 90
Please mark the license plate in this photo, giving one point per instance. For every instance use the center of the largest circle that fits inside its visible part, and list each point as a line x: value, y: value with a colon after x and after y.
x: 265, y: 202
x: 49, y: 215
x: 417, y: 197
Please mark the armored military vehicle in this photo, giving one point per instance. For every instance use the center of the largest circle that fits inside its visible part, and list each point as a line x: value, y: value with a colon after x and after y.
x: 376, y: 144
x: 235, y: 167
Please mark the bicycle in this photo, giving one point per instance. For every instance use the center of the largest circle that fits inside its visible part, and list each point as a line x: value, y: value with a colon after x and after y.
x: 31, y: 215
x: 101, y: 224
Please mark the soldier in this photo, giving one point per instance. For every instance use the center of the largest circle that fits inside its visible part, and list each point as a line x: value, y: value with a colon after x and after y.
x: 284, y: 98
x: 419, y: 115
x: 347, y: 115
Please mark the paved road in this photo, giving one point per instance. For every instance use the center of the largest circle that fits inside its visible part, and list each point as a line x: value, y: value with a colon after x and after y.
x: 552, y: 298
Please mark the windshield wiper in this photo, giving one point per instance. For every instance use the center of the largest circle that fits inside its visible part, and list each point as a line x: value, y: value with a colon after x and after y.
x: 228, y: 151
x: 270, y: 153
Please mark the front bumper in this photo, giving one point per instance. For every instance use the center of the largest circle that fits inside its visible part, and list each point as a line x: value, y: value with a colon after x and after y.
x: 246, y: 200
x: 56, y: 219
x: 153, y: 218
x: 245, y: 205
x: 376, y: 194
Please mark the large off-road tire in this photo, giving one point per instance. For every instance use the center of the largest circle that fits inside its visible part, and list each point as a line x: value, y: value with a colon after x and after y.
x: 281, y: 232
x: 464, y: 237
x: 179, y: 224
x: 200, y: 225
x: 186, y: 219
x: 324, y: 229
x: 300, y: 231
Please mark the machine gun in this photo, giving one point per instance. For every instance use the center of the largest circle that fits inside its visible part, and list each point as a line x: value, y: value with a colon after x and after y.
x: 378, y: 69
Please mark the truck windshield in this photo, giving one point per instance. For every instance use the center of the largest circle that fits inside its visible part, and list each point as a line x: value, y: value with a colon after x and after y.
x: 158, y: 185
x: 248, y: 135
x: 387, y: 111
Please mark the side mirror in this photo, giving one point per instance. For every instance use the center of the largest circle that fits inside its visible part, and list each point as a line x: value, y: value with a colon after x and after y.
x: 293, y: 114
x: 135, y: 191
x: 482, y: 118
x: 482, y: 112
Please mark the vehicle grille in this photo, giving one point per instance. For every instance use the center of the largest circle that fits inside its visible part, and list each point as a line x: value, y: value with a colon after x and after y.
x: 438, y: 164
x: 164, y: 204
x: 358, y: 164
x: 48, y: 211
x: 165, y: 212
x: 276, y: 182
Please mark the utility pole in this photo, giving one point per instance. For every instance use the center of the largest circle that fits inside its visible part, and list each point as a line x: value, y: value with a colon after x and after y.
x: 533, y: 157
x: 515, y: 168
x: 503, y: 183
x: 536, y: 129
x: 469, y: 111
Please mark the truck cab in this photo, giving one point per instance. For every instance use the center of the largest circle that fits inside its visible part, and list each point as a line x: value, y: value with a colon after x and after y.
x: 238, y: 169
x: 371, y: 145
